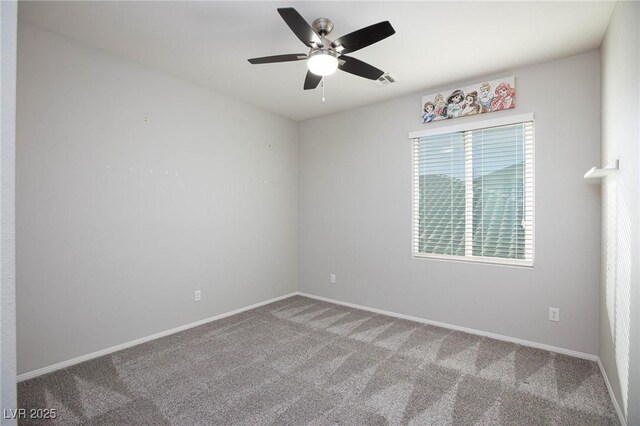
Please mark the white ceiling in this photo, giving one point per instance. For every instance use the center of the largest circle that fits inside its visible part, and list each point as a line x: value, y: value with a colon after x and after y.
x: 436, y: 43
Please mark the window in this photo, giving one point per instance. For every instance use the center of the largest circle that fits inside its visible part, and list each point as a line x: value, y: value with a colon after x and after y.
x: 473, y: 192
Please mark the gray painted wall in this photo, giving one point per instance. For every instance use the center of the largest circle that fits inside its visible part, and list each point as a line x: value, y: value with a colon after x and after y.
x: 355, y: 215
x: 109, y: 252
x: 620, y: 289
x: 9, y: 21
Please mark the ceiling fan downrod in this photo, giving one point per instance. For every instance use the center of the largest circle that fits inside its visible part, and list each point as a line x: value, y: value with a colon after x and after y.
x: 323, y: 26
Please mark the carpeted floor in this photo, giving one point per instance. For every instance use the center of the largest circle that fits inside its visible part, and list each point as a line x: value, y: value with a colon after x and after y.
x: 300, y: 361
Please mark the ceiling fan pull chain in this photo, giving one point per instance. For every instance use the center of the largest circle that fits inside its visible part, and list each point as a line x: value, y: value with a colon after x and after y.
x: 323, y: 101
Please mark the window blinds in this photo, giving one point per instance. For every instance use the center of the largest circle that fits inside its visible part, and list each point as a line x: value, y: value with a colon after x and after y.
x: 473, y: 194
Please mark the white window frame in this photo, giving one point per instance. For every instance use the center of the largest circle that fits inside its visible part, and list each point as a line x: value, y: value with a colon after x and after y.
x: 463, y: 127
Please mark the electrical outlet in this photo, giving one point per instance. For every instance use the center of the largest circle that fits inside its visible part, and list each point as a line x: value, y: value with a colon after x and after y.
x: 197, y: 295
x: 554, y: 314
x: 332, y: 278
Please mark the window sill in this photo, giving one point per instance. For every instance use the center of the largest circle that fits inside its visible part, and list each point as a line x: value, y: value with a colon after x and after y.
x: 476, y: 259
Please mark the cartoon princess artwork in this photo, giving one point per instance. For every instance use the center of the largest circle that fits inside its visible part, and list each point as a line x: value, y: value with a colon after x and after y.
x: 504, y: 99
x: 471, y: 105
x: 429, y: 112
x: 440, y: 107
x: 486, y: 98
x: 454, y: 103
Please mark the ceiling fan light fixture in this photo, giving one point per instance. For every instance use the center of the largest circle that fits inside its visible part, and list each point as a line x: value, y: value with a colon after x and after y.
x: 322, y: 62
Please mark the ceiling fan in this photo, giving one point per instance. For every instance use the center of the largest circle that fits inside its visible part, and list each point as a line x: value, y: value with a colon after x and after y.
x: 325, y: 55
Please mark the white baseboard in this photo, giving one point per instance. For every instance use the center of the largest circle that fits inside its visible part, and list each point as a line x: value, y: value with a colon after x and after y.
x: 87, y: 357
x: 623, y: 421
x: 522, y: 342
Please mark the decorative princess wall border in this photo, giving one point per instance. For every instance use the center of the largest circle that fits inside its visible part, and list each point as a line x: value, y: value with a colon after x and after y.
x: 480, y: 98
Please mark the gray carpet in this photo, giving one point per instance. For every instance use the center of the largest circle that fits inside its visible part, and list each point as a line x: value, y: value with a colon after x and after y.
x: 301, y: 361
